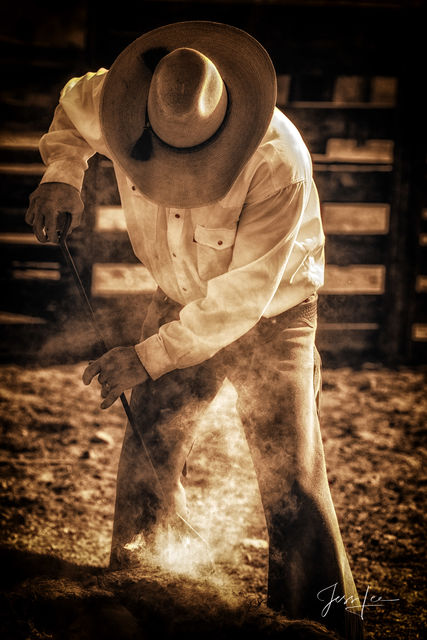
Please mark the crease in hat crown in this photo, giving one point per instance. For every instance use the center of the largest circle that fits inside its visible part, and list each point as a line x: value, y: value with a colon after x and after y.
x: 203, y: 170
x: 187, y: 99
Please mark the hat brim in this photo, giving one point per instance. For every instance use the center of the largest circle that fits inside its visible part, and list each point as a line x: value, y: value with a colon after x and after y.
x: 201, y: 175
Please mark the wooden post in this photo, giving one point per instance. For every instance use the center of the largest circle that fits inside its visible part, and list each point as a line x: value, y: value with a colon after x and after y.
x: 396, y: 344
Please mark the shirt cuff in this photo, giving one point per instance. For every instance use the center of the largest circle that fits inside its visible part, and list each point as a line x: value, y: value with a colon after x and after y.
x: 154, y: 357
x: 64, y: 171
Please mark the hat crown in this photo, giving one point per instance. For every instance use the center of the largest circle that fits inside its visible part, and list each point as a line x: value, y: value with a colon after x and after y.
x: 187, y: 99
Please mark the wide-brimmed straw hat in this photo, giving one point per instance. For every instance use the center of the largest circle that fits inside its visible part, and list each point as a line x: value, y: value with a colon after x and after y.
x: 184, y: 107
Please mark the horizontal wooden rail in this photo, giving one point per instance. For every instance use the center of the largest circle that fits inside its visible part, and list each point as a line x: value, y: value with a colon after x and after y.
x: 318, y: 122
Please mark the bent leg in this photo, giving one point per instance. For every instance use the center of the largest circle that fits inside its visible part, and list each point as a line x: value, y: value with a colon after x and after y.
x: 165, y: 412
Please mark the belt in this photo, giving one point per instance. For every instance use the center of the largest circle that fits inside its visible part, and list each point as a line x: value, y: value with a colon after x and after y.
x: 305, y: 310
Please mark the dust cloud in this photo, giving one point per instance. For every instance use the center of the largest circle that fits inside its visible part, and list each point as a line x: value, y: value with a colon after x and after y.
x: 58, y: 461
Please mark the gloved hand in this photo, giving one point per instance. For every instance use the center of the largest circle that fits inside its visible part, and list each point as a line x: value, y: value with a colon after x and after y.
x: 47, y: 202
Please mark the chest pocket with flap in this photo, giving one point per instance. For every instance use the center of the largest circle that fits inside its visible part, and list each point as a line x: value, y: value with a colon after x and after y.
x: 214, y: 250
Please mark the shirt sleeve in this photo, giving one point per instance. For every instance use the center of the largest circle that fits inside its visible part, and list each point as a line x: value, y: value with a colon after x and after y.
x: 75, y: 132
x: 235, y: 300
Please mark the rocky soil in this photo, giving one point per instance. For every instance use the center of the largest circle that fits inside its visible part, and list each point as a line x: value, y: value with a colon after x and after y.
x: 58, y: 461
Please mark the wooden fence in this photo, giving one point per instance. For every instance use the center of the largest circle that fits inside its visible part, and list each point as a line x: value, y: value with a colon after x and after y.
x: 359, y: 123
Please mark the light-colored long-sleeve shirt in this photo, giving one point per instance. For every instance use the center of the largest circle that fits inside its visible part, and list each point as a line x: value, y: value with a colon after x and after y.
x: 256, y: 252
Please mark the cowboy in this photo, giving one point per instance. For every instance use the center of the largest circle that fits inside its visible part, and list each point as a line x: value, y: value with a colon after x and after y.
x: 220, y: 205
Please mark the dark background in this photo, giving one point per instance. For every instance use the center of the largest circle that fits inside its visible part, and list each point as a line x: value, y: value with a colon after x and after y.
x: 314, y: 45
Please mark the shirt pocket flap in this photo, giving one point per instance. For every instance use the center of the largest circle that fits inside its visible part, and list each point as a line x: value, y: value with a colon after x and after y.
x: 219, y: 239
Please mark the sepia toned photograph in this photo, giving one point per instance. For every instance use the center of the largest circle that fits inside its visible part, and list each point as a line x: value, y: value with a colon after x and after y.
x: 213, y: 351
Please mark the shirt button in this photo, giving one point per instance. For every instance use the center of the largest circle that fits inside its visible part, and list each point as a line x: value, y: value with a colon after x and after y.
x: 174, y: 255
x: 184, y: 289
x: 133, y: 188
x: 219, y: 242
x: 177, y: 215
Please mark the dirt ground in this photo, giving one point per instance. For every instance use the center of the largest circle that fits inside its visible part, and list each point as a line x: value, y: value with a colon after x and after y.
x: 58, y: 459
